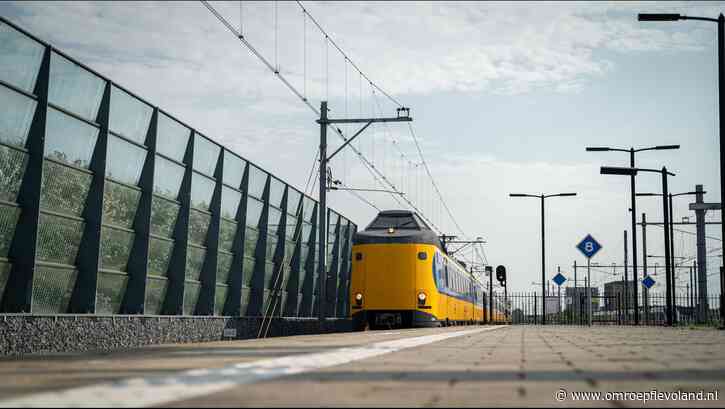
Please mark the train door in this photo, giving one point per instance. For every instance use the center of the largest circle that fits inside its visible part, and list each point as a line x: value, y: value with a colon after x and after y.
x: 445, y: 300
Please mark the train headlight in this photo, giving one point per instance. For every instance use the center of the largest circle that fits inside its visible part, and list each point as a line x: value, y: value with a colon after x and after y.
x: 359, y: 298
x: 421, y: 298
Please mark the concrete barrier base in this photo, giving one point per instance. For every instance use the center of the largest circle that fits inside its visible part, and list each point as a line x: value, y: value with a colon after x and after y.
x: 22, y: 334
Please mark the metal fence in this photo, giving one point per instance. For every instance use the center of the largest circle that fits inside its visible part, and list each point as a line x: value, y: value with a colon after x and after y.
x: 109, y: 205
x: 526, y: 308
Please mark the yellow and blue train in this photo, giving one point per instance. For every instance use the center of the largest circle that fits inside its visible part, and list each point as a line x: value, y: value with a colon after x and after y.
x: 403, y: 277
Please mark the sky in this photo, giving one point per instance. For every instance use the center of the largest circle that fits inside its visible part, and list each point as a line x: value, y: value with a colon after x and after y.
x: 504, y: 99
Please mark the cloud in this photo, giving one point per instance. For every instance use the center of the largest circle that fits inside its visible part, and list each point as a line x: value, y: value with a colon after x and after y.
x: 179, y: 57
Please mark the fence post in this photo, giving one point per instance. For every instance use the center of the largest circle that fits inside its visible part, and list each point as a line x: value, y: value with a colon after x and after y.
x: 619, y: 313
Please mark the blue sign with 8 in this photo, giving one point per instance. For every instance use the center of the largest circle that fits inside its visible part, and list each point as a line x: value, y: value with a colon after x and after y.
x: 588, y: 246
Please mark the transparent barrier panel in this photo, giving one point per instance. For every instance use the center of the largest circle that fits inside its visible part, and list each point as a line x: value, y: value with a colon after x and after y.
x: 15, y: 117
x: 74, y: 88
x: 172, y: 138
x: 276, y: 192
x: 257, y: 180
x: 206, y: 154
x: 224, y: 265
x: 69, y: 140
x: 271, y: 246
x: 280, y: 304
x: 21, y: 58
x: 159, y: 256
x: 198, y: 226
x: 12, y: 169
x: 168, y: 176
x: 220, y: 296
x: 268, y: 274
x: 58, y: 239
x: 227, y: 231
x: 289, y: 249
x: 194, y: 262
x: 299, y: 312
x: 304, y: 252
x: 109, y: 292
x: 254, y: 212
x: 163, y: 216
x: 191, y: 295
x: 244, y: 300
x: 251, y: 236
x: 120, y: 204
x: 233, y: 169
x: 293, y: 201
x: 230, y: 202
x: 248, y: 272
x: 303, y: 277
x: 115, y: 248
x: 4, y: 275
x: 266, y: 302
x: 124, y: 161
x: 291, y: 226
x: 64, y: 189
x: 155, y: 294
x: 9, y: 216
x: 129, y: 116
x: 52, y: 289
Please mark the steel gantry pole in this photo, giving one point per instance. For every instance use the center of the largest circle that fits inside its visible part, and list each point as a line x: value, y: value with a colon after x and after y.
x: 325, y: 121
x: 668, y: 270
x: 673, y: 286
x: 644, y: 267
x: 633, y: 211
x: 626, y: 282
x: 322, y: 217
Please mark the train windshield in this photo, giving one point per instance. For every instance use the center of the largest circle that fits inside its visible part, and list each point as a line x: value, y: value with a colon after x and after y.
x: 402, y: 221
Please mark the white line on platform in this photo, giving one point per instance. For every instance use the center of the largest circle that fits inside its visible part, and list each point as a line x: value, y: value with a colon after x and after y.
x: 138, y: 392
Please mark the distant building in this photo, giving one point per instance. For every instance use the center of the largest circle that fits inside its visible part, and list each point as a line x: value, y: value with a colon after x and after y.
x: 576, y: 298
x: 614, y: 293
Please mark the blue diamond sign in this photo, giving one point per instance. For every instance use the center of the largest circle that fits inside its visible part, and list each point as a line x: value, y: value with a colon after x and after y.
x: 648, y: 282
x: 588, y: 246
x: 559, y: 279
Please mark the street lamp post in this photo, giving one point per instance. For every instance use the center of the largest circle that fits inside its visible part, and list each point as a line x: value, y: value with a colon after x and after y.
x: 633, y: 211
x: 720, y: 20
x: 543, y: 251
x: 610, y: 170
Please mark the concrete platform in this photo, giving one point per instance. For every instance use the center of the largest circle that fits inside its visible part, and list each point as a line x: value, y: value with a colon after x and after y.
x: 461, y: 366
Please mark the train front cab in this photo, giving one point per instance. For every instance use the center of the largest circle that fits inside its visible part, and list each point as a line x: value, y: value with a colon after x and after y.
x: 401, y: 277
x: 389, y: 285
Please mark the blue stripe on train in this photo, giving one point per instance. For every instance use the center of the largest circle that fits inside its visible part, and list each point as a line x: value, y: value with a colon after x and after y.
x: 438, y: 269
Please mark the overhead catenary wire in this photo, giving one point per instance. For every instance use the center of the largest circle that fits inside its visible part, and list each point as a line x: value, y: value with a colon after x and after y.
x: 685, y: 231
x: 282, y: 78
x: 375, y: 172
x: 322, y: 30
